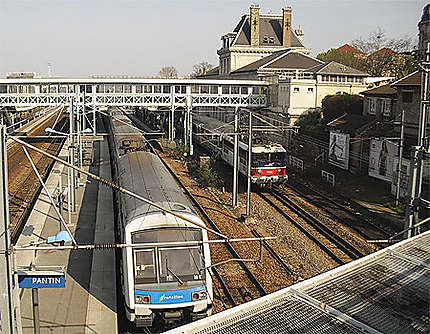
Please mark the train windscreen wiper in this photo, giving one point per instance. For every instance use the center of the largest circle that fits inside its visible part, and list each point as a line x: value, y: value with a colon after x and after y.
x: 174, y: 275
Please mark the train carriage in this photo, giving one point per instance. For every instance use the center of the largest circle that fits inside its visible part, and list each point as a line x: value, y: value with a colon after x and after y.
x: 268, y: 164
x: 167, y: 278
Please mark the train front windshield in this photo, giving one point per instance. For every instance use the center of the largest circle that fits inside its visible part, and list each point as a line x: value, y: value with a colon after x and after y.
x: 277, y: 159
x: 168, y: 264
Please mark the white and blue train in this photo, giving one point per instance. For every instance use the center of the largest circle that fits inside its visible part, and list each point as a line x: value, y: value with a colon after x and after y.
x: 168, y: 276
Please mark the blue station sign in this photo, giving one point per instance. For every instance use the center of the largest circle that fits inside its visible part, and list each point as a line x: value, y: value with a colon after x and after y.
x: 41, y: 280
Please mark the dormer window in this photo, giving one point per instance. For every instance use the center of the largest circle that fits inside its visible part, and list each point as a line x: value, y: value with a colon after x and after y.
x: 265, y: 39
x: 272, y: 40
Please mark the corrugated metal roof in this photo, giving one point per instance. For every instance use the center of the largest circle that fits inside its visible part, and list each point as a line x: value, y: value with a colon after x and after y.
x: 385, y: 292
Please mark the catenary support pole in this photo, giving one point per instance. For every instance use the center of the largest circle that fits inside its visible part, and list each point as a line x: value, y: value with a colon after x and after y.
x: 7, y: 321
x: 235, y: 156
x: 399, y: 165
x: 72, y: 156
x: 248, y: 198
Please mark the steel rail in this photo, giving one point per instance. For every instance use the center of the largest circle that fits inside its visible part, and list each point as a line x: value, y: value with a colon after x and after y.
x: 340, y: 207
x: 345, y: 246
x: 249, y: 273
x: 302, y: 229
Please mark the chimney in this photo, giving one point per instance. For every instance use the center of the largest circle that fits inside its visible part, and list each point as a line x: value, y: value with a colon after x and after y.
x: 254, y: 22
x: 286, y: 27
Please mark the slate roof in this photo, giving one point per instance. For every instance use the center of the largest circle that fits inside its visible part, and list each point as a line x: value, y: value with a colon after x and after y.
x: 413, y: 79
x: 381, y: 90
x: 282, y: 60
x: 270, y: 26
x: 333, y: 67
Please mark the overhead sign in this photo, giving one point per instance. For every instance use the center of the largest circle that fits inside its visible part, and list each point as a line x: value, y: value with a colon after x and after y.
x: 338, y: 154
x: 41, y: 280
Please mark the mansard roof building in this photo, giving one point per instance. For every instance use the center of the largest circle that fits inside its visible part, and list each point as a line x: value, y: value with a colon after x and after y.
x: 257, y: 36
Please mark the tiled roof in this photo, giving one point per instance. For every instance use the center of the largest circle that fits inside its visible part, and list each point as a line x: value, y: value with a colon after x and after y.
x: 333, y: 67
x: 349, y: 48
x: 381, y: 90
x: 270, y: 27
x: 413, y: 79
x: 384, y: 52
x: 282, y: 59
x: 349, y: 123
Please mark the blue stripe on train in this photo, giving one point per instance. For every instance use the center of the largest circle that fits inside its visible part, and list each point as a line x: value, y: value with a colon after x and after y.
x: 171, y: 296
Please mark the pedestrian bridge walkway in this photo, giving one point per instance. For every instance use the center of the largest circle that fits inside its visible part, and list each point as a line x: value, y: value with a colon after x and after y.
x: 124, y: 91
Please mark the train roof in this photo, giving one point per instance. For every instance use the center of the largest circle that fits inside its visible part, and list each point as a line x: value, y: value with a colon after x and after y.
x: 385, y: 292
x: 144, y: 173
x: 226, y: 129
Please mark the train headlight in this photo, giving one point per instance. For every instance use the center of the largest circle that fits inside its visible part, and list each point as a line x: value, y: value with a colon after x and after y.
x: 198, y: 295
x: 142, y: 299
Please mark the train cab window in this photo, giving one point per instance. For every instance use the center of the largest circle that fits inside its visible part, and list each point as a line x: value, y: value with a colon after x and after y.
x: 186, y: 263
x: 276, y: 159
x: 144, y: 271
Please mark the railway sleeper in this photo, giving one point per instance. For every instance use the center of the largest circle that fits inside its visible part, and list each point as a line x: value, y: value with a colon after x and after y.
x: 245, y: 293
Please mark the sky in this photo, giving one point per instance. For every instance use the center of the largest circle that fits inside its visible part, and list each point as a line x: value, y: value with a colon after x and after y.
x: 80, y: 38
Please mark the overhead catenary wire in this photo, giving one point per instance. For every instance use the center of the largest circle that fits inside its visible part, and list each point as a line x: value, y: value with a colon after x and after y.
x: 114, y: 186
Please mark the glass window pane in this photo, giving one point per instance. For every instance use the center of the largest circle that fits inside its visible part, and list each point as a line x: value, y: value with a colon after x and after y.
x: 145, y: 271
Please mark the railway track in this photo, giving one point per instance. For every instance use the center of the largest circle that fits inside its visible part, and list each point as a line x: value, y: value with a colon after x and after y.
x: 342, y: 243
x: 24, y: 186
x: 343, y: 212
x: 230, y: 294
x: 325, y: 245
x: 245, y: 283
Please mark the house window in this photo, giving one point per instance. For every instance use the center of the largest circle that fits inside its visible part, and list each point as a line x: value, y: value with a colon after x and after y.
x: 407, y: 97
x: 271, y: 40
x: 386, y: 107
x: 372, y: 106
x: 296, y: 89
x: 310, y: 90
x: 265, y: 39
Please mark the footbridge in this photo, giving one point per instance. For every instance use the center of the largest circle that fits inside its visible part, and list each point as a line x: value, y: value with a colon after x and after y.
x: 164, y: 95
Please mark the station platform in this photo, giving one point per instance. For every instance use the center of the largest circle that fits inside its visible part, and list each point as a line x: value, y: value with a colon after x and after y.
x: 87, y: 304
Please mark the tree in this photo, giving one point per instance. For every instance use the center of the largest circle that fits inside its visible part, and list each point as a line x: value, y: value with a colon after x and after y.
x: 201, y: 68
x: 379, y: 56
x: 168, y: 72
x: 334, y: 106
x: 346, y: 58
x: 384, y: 55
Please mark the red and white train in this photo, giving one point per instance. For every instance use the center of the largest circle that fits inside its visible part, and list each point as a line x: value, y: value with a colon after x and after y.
x: 268, y: 164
